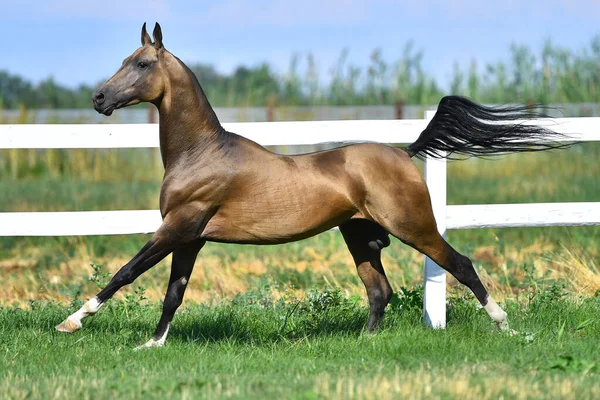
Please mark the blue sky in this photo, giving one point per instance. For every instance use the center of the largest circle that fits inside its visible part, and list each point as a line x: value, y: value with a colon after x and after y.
x: 79, y: 41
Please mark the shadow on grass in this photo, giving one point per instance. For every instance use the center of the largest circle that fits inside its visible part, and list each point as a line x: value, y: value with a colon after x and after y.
x: 197, y: 323
x: 265, y: 327
x: 256, y: 318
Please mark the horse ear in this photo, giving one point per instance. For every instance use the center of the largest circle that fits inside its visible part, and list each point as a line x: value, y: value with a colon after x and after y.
x: 157, y: 33
x: 145, y: 37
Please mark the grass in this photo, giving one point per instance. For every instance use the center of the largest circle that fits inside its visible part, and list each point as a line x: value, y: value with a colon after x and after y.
x: 55, y: 268
x: 258, y: 345
x: 288, y: 320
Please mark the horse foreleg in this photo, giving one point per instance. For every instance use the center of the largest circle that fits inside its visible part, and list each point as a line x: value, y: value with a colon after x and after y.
x: 181, y: 270
x: 161, y: 244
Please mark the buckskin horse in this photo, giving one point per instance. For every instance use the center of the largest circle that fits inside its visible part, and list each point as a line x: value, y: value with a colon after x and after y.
x: 222, y: 187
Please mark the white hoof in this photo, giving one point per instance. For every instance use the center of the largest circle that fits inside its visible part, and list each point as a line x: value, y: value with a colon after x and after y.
x: 73, y: 322
x: 68, y: 326
x: 150, y: 343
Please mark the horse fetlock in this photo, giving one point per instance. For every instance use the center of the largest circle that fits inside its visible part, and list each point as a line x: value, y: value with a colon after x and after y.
x: 374, y: 323
x: 379, y: 299
x: 494, y: 311
x: 500, y: 317
x: 158, y: 340
x: 73, y: 322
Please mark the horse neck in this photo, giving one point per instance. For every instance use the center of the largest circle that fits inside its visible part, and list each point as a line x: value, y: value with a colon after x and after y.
x: 188, y: 123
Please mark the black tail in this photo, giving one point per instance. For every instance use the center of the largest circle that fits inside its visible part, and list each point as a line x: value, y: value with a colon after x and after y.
x: 462, y: 128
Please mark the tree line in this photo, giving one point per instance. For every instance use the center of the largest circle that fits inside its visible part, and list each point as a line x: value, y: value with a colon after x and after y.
x: 553, y: 74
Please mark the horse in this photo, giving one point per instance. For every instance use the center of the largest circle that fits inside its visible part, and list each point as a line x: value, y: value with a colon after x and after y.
x: 221, y: 187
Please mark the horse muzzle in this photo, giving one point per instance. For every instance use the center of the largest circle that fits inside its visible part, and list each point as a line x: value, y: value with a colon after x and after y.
x: 101, y: 104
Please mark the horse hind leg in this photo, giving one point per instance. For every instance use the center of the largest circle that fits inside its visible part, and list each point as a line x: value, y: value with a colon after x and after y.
x: 462, y: 269
x: 416, y: 226
x: 365, y: 240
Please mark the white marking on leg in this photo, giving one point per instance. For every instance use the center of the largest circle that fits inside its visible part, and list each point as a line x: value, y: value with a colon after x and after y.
x: 163, y: 338
x: 155, y: 342
x: 90, y: 308
x: 73, y: 322
x: 497, y: 314
x: 494, y: 310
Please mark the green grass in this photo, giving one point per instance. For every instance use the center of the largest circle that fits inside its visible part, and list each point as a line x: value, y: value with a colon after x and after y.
x: 256, y: 346
x: 236, y: 338
x: 54, y: 268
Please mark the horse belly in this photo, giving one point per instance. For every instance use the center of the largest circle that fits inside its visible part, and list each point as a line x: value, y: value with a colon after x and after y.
x: 278, y: 220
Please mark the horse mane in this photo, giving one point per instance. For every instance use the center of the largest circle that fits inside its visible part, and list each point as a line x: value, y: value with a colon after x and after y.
x: 225, y: 138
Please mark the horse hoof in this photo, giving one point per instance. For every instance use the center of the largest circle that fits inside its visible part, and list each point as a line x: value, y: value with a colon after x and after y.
x: 505, y: 329
x: 150, y: 343
x: 67, y: 326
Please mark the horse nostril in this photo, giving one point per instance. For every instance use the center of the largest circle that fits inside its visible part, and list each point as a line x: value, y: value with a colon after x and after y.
x: 99, y: 98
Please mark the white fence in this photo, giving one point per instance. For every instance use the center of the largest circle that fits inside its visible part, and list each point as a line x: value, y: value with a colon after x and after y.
x: 292, y: 133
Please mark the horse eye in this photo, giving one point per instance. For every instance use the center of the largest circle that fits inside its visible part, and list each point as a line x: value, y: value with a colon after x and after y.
x: 142, y: 65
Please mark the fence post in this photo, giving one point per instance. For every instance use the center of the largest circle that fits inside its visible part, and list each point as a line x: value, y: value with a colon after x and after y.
x: 434, y: 299
x: 399, y: 109
x: 271, y: 108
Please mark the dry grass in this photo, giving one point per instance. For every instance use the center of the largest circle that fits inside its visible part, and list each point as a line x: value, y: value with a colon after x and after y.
x: 464, y: 383
x: 106, y: 183
x: 217, y: 277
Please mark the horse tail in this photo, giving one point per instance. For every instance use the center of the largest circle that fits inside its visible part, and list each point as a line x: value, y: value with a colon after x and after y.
x: 463, y: 128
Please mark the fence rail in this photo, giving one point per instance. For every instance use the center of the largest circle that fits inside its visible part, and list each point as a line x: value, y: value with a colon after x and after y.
x: 108, y: 136
x: 293, y: 133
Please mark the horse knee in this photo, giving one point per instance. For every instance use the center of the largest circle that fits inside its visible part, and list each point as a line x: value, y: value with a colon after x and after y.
x: 123, y: 277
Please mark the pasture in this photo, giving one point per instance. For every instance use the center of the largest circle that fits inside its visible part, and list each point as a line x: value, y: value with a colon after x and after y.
x: 288, y: 320
x: 255, y: 346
